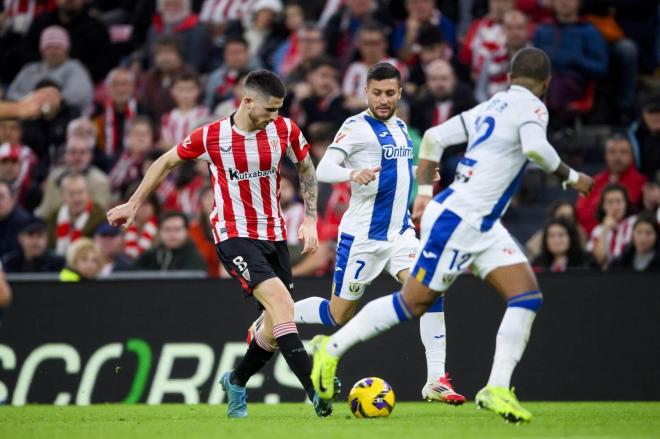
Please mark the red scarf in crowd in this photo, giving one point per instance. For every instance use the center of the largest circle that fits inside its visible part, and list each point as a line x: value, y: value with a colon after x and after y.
x: 137, y: 241
x: 68, y: 231
x: 112, y: 142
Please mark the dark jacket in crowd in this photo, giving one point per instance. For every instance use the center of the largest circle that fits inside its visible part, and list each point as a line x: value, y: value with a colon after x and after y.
x: 646, y: 148
x: 625, y: 261
x: 9, y: 228
x: 15, y: 262
x: 424, y: 106
x: 186, y: 257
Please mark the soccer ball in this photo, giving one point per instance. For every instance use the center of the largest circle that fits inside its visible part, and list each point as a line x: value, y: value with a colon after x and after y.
x: 371, y: 398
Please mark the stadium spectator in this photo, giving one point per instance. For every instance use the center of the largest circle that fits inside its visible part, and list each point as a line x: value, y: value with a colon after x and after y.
x: 342, y: 28
x: 139, y: 141
x: 441, y: 97
x: 17, y: 162
x: 77, y: 216
x: 46, y: 135
x: 420, y: 13
x: 630, y: 29
x: 40, y: 102
x: 560, y: 248
x: 372, y: 47
x: 643, y: 252
x: 493, y: 76
x: 323, y: 101
x: 110, y: 243
x: 175, y: 18
x: 230, y: 104
x: 12, y: 219
x: 188, y: 114
x: 620, y: 169
x: 644, y: 136
x: 564, y: 210
x: 113, y: 116
x: 202, y: 235
x: 430, y: 47
x: 577, y: 51
x: 77, y: 160
x: 175, y: 250
x: 90, y: 42
x: 486, y: 40
x: 312, y: 45
x: 83, y: 261
x: 5, y: 293
x: 259, y: 28
x: 141, y: 235
x: 614, y: 231
x: 222, y: 80
x: 17, y: 16
x: 75, y: 83
x: 287, y: 55
x: 33, y: 255
x: 154, y: 93
x: 651, y: 198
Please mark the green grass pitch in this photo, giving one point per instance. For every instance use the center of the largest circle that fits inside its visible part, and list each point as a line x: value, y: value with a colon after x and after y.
x: 290, y: 421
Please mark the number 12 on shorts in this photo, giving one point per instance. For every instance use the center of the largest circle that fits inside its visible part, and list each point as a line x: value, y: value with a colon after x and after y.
x: 458, y: 261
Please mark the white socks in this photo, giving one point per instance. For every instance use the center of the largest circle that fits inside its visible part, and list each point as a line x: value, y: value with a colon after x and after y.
x: 513, y: 335
x: 313, y: 310
x: 377, y: 316
x: 434, y: 337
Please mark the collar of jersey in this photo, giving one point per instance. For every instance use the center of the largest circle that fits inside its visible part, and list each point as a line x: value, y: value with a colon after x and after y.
x: 240, y: 131
x: 521, y: 88
x: 388, y: 121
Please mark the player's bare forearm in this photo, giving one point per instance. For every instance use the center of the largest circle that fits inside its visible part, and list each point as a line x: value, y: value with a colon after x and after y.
x: 308, y: 186
x: 426, y: 171
x: 155, y: 175
x: 562, y: 171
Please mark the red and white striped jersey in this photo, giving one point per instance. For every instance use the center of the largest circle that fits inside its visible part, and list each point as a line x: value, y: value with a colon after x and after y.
x: 221, y: 11
x: 245, y: 174
x: 617, y: 238
x: 176, y: 125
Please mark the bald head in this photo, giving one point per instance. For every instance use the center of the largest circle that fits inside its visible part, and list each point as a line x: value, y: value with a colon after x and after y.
x: 440, y: 79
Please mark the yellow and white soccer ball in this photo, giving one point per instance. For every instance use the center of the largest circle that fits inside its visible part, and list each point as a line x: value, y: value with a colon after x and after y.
x: 371, y: 398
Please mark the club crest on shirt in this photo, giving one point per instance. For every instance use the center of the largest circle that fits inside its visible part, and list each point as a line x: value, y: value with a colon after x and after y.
x: 274, y: 144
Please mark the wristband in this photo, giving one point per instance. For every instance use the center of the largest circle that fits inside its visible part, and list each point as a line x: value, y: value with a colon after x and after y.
x: 425, y: 190
x: 573, y: 177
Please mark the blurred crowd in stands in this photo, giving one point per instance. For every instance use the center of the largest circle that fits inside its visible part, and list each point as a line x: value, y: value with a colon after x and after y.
x: 137, y: 76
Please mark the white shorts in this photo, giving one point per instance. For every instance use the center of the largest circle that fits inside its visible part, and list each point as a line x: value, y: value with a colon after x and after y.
x: 450, y: 246
x: 360, y: 261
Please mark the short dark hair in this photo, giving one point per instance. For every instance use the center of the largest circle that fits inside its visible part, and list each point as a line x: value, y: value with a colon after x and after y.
x: 173, y: 214
x: 188, y: 76
x: 266, y: 83
x: 429, y: 35
x: 236, y: 39
x: 613, y: 187
x: 169, y: 42
x: 531, y: 63
x: 322, y: 61
x: 373, y: 26
x: 383, y: 70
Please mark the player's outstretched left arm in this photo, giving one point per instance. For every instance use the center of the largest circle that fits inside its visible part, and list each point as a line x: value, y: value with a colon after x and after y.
x: 309, y: 192
x: 124, y: 214
x: 537, y: 148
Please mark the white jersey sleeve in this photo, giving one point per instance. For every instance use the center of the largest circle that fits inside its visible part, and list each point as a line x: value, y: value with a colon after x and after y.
x: 350, y: 138
x: 439, y: 137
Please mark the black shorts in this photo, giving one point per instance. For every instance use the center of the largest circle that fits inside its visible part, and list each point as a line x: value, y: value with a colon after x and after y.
x: 252, y: 261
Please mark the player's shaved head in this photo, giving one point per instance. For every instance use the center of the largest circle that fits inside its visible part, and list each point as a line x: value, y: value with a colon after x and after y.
x: 530, y: 63
x: 265, y: 84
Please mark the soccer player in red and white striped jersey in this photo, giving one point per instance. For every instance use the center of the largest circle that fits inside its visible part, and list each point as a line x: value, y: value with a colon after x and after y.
x: 244, y: 152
